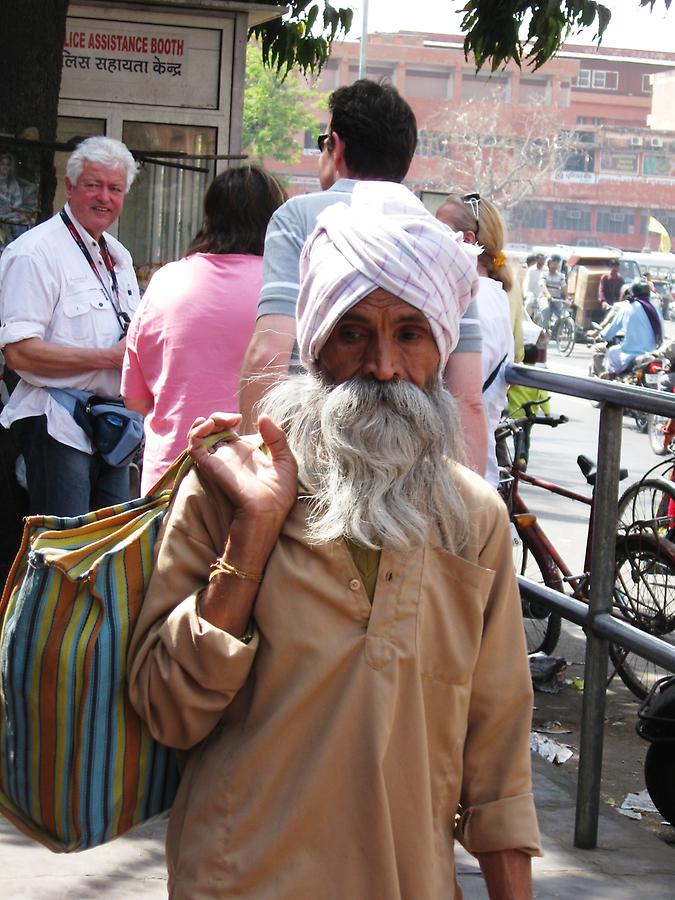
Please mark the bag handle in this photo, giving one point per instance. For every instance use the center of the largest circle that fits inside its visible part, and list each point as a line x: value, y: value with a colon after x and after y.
x: 171, y: 479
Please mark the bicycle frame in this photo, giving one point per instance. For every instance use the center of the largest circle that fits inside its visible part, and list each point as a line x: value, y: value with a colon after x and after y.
x: 524, y: 520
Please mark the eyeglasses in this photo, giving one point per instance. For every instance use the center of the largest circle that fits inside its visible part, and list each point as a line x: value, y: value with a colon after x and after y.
x: 321, y: 140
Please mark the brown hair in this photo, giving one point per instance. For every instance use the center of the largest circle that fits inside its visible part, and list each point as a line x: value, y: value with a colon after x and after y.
x: 237, y: 208
x: 483, y: 218
x: 378, y: 127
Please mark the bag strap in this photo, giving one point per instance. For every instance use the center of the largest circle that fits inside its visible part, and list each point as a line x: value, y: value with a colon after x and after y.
x: 491, y: 377
x: 68, y: 398
x: 179, y: 468
x: 74, y: 402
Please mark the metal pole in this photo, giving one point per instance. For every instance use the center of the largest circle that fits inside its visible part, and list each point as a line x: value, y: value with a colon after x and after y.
x: 600, y: 602
x: 364, y: 41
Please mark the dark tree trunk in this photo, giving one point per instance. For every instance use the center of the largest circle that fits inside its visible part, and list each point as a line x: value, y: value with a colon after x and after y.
x: 31, y: 50
x: 31, y: 47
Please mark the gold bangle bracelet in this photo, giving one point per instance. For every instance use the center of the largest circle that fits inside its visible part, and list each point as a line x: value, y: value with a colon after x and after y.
x: 222, y: 567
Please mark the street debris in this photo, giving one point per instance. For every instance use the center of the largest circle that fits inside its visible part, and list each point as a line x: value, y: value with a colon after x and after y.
x: 551, y: 727
x: 551, y: 750
x: 635, y: 804
x: 547, y: 672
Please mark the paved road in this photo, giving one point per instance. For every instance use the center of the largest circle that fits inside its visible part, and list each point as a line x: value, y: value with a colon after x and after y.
x: 553, y: 457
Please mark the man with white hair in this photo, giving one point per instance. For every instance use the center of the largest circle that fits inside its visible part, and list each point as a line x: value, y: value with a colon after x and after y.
x: 333, y: 630
x: 67, y: 294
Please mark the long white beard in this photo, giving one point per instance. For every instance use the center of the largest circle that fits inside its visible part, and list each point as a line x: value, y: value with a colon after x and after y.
x: 378, y: 459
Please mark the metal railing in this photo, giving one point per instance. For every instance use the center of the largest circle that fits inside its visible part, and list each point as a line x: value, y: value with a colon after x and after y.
x: 595, y: 616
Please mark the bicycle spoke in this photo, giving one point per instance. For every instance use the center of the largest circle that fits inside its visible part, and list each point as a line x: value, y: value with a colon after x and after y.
x: 645, y: 596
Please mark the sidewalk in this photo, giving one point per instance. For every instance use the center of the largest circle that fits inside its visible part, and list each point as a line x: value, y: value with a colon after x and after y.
x: 628, y: 863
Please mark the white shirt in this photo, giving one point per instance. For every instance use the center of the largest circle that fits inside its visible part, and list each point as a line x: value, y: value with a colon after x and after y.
x: 49, y: 291
x: 495, y: 328
x: 532, y: 282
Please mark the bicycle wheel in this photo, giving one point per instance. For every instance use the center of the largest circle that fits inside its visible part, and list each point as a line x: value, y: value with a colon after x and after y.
x: 644, y: 594
x: 564, y: 336
x: 645, y: 504
x: 656, y: 426
x: 542, y: 628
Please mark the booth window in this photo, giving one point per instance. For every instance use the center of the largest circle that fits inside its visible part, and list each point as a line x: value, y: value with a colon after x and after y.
x: 71, y: 128
x: 163, y: 211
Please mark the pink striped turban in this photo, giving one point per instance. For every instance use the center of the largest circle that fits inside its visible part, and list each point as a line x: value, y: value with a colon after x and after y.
x: 399, y: 247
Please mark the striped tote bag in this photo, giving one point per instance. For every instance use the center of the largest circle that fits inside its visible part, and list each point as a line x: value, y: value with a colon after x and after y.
x: 78, y: 766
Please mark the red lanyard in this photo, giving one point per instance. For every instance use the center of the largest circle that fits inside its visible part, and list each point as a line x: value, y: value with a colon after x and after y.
x: 122, y: 318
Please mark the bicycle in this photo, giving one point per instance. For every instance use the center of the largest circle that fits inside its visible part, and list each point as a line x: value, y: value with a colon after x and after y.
x: 647, y: 509
x: 645, y: 570
x: 560, y: 327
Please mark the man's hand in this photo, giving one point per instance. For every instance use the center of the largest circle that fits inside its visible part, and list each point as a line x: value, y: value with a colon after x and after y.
x: 262, y: 490
x: 261, y: 487
x: 116, y: 354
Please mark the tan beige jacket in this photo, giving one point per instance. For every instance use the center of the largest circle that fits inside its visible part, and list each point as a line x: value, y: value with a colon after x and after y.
x: 329, y: 758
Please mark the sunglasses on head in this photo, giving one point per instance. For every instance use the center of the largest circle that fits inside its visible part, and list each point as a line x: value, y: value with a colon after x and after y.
x: 473, y: 201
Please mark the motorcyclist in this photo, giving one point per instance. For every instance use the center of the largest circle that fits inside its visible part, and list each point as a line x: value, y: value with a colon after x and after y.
x: 640, y: 323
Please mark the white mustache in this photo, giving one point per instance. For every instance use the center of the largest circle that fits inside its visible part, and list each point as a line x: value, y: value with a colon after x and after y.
x: 377, y: 457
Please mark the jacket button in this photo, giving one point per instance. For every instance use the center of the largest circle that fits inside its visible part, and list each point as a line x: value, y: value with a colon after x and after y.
x: 354, y: 584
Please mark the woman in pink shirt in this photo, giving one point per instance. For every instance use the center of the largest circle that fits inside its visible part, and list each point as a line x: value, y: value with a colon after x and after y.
x: 187, y: 340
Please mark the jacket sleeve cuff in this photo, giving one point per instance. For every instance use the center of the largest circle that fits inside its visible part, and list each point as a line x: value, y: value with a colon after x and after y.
x: 13, y: 332
x: 506, y: 824
x: 213, y: 659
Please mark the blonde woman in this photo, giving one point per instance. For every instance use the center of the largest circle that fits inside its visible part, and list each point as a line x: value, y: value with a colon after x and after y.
x: 480, y: 222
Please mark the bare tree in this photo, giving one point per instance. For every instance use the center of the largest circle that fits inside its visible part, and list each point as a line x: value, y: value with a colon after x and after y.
x: 486, y: 146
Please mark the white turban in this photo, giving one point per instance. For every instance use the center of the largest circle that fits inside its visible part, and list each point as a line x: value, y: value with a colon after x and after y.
x: 398, y: 246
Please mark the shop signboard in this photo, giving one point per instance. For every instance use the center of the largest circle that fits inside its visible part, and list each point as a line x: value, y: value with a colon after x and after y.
x: 619, y: 163
x: 658, y: 166
x: 141, y: 63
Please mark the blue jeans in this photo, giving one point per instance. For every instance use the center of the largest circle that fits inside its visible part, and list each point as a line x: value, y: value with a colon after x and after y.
x: 63, y: 481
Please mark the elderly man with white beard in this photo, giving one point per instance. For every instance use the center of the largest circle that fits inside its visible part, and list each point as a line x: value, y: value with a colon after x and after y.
x: 333, y: 629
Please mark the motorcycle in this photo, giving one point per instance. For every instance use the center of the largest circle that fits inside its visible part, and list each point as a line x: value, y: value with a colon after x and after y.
x: 644, y: 371
x: 657, y: 725
x: 661, y: 430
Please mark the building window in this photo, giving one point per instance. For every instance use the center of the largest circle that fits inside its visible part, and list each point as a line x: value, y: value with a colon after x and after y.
x: 486, y: 87
x: 608, y: 81
x: 527, y: 215
x: 163, y: 213
x: 428, y: 84
x: 374, y: 73
x: 571, y: 218
x: 432, y: 144
x: 615, y: 219
x: 534, y: 90
x: 646, y: 84
x: 580, y: 161
x: 328, y: 78
x: 583, y: 79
